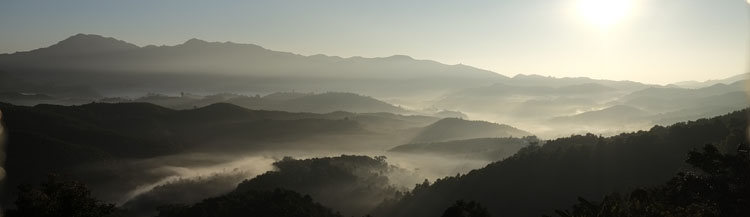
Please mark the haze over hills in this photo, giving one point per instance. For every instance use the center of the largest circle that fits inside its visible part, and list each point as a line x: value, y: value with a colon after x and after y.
x: 539, y: 179
x: 85, y: 68
x: 205, y: 102
x: 111, y: 66
x: 494, y: 149
x: 564, y: 108
x: 279, y: 101
x: 123, y: 148
x: 570, y: 108
x: 697, y: 84
x: 615, y: 115
x: 458, y: 129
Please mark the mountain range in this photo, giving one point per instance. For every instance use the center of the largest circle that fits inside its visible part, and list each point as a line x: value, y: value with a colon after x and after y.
x: 113, y: 67
x: 85, y: 68
x: 279, y: 101
x: 100, y: 140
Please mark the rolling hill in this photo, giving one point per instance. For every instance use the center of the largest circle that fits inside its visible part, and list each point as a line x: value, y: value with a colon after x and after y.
x: 279, y: 101
x: 619, y: 114
x: 95, y: 141
x: 492, y: 149
x: 540, y: 179
x: 457, y: 129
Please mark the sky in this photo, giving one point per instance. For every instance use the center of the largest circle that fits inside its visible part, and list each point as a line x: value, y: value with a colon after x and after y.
x: 654, y: 41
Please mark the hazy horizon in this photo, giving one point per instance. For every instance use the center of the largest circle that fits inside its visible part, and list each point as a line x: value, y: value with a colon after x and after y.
x: 508, y: 75
x: 334, y: 108
x: 694, y: 40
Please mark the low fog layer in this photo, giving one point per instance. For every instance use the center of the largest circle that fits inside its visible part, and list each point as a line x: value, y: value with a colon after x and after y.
x: 145, y: 127
x: 86, y: 68
x: 189, y: 178
x: 143, y: 154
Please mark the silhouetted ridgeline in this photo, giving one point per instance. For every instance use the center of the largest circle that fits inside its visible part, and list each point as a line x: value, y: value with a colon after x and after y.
x: 540, y: 179
x: 456, y: 129
x: 536, y: 180
x: 279, y: 101
x: 84, y: 68
x: 720, y: 187
x: 92, y: 141
x: 280, y: 203
x: 111, y: 66
x: 353, y: 185
x: 184, y: 191
x: 492, y: 149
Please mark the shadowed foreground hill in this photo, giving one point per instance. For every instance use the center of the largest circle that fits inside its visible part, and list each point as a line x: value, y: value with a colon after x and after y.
x: 276, y: 203
x: 456, y: 129
x: 353, y: 185
x: 720, y: 186
x: 540, y: 179
x: 62, y: 139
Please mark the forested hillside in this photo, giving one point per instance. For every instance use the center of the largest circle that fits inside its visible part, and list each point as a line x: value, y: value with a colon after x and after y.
x: 540, y: 179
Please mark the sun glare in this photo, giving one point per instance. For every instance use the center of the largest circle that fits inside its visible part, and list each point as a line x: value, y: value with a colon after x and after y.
x: 604, y: 13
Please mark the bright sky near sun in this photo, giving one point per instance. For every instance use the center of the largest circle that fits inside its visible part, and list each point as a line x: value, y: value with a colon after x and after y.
x: 653, y: 41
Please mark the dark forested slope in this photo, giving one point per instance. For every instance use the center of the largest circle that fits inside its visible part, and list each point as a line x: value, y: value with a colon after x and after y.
x: 61, y: 139
x: 456, y: 129
x: 274, y: 203
x: 353, y: 185
x: 539, y: 179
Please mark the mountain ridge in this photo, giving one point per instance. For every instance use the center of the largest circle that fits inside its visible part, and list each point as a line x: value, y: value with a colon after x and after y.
x: 114, y: 67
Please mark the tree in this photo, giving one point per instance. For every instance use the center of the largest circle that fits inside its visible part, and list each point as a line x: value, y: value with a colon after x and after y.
x: 275, y: 203
x: 720, y: 188
x: 57, y: 197
x: 463, y: 209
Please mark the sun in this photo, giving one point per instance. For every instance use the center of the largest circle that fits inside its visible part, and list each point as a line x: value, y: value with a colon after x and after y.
x: 604, y: 13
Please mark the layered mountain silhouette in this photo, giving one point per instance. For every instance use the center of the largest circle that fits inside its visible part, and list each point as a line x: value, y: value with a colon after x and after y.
x: 85, y: 68
x: 708, y: 83
x: 112, y: 66
x: 619, y: 114
x: 101, y: 137
x: 664, y: 99
x: 457, y: 129
x: 279, y: 101
x: 538, y: 179
x: 492, y: 149
x: 599, y: 106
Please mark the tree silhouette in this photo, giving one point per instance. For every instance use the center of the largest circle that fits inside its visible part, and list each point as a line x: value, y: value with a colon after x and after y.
x: 463, y: 209
x: 275, y: 203
x: 720, y: 188
x: 57, y: 197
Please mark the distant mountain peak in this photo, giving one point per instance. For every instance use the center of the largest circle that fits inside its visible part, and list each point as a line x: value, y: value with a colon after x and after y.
x: 711, y: 82
x: 520, y: 76
x: 195, y: 41
x: 399, y: 57
x: 90, y: 43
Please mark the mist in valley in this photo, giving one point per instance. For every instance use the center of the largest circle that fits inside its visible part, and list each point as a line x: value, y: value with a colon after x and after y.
x: 508, y: 108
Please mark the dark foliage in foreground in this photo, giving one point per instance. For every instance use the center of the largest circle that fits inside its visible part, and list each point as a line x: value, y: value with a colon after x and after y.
x: 58, y: 198
x: 464, y: 209
x: 539, y: 179
x: 721, y: 189
x: 63, y: 139
x: 276, y: 203
x: 353, y: 185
